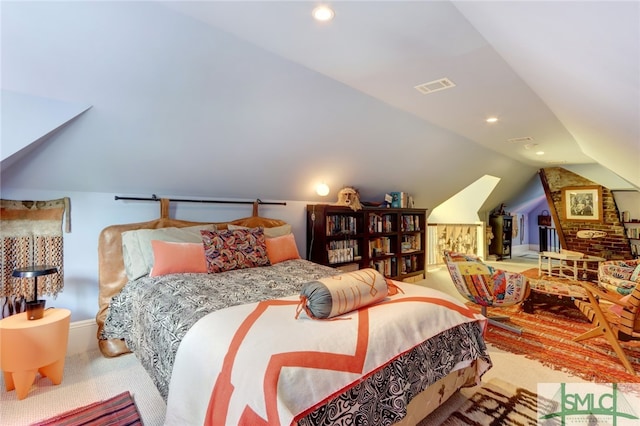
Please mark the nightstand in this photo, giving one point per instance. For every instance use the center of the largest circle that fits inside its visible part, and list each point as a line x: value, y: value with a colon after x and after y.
x: 30, y: 347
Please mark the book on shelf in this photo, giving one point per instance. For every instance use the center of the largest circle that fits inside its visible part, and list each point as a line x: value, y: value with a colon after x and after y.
x: 410, y: 223
x: 341, y: 225
x: 409, y: 264
x: 343, y: 244
x: 411, y: 243
x: 396, y: 199
x: 379, y: 223
x: 379, y: 246
x: 340, y: 255
x: 401, y: 200
x: 387, y: 267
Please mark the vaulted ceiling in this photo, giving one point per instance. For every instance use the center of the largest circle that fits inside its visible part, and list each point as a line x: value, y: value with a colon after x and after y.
x: 562, y: 77
x: 246, y: 99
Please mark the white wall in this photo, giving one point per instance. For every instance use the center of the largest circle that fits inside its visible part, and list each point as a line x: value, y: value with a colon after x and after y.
x: 91, y: 212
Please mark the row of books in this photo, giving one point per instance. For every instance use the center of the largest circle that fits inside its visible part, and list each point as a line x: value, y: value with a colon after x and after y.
x: 340, y: 255
x: 410, y: 222
x: 387, y: 267
x: 345, y: 244
x: 633, y: 233
x: 409, y: 264
x: 411, y: 243
x: 381, y: 223
x: 379, y: 246
x: 341, y: 225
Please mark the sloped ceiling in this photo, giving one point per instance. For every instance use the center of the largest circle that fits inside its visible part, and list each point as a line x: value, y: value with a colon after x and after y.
x: 566, y: 74
x: 28, y: 120
x: 254, y: 99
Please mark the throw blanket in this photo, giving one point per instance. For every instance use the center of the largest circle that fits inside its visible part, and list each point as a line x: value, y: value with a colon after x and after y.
x: 256, y: 364
x: 31, y: 234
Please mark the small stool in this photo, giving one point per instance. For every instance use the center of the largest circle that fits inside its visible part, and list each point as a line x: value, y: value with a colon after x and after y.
x: 31, y: 346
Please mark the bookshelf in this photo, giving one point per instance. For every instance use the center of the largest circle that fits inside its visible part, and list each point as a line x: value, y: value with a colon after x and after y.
x: 501, y: 242
x: 632, y: 231
x: 390, y: 240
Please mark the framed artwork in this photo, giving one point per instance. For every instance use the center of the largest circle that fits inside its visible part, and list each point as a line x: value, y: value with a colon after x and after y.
x: 582, y: 203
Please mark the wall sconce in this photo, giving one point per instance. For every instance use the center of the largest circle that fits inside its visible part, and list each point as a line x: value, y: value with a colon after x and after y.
x: 322, y: 189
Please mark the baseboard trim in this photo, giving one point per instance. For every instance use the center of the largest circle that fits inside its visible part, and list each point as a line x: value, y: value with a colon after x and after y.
x: 82, y: 336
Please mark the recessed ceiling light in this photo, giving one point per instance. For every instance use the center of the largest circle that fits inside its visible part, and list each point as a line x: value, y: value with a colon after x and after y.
x: 492, y: 119
x: 323, y: 13
x: 539, y: 152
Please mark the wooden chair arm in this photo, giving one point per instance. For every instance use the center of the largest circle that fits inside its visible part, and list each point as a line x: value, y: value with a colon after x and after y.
x: 602, y: 293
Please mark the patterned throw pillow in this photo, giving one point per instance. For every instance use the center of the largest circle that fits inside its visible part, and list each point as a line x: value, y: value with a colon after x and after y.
x: 274, y: 232
x: 226, y: 250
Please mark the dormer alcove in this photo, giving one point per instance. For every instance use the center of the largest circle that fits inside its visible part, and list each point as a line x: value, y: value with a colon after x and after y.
x: 27, y: 121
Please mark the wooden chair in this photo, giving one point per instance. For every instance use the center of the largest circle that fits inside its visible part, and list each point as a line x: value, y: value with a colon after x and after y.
x: 615, y: 317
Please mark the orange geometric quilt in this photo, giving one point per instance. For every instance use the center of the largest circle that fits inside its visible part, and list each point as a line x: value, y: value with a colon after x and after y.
x: 256, y: 364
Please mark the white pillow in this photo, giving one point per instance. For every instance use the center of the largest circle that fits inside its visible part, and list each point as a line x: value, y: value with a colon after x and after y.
x: 137, y: 252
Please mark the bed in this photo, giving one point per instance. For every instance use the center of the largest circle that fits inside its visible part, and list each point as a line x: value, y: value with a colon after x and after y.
x: 209, y: 341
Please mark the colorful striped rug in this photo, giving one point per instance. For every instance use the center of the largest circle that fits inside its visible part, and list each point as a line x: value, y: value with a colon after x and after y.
x: 547, y: 337
x: 119, y: 410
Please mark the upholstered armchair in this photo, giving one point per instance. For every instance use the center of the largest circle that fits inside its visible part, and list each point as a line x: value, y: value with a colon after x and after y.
x: 619, y: 276
x: 486, y: 286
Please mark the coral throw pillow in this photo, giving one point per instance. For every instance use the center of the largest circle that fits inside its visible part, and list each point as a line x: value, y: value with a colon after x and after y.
x: 226, y: 250
x: 282, y: 248
x: 176, y: 258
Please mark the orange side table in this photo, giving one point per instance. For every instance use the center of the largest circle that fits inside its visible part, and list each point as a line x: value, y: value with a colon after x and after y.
x: 28, y: 347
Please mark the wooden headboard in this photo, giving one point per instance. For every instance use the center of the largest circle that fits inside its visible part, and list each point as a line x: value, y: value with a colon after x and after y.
x: 111, y: 271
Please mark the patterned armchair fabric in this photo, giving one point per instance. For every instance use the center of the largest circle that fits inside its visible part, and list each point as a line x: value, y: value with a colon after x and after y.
x: 484, y: 285
x: 620, y: 276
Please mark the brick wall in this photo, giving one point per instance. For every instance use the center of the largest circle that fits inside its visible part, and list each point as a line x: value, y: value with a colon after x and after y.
x: 615, y: 245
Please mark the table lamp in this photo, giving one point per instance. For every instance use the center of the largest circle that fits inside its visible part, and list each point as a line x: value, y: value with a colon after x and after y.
x: 35, y: 308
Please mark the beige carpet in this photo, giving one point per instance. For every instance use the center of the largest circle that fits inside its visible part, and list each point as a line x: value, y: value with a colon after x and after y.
x: 88, y: 378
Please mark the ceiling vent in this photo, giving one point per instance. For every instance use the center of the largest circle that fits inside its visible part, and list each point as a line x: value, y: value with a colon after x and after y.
x: 526, y: 139
x: 435, y: 86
